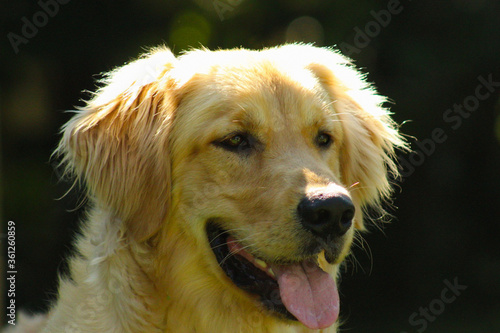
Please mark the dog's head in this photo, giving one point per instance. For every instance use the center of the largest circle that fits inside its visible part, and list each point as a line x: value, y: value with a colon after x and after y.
x: 264, y: 159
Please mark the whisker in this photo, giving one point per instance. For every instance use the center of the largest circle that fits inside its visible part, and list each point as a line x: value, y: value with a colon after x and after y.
x: 354, y: 184
x: 222, y: 233
x: 226, y: 232
x: 230, y: 254
x: 355, y: 263
x: 363, y: 245
x: 356, y: 187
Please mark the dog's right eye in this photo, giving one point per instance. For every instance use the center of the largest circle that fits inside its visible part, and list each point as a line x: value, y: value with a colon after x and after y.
x: 238, y: 142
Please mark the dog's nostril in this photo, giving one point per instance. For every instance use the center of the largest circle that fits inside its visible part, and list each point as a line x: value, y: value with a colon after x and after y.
x: 347, y: 216
x: 346, y: 221
x: 326, y: 216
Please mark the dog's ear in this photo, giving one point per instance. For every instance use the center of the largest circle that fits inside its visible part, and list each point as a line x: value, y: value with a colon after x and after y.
x: 370, y: 135
x: 117, y: 144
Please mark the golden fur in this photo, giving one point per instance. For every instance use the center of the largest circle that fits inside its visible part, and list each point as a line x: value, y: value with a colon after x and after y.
x: 143, y: 147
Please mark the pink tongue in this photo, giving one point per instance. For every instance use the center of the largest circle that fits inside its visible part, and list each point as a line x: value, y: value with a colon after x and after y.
x: 309, y: 293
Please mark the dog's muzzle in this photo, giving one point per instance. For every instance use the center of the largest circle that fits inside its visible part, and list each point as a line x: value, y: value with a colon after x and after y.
x: 298, y: 289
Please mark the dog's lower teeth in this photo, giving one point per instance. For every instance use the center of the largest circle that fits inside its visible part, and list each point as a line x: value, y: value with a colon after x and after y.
x: 260, y: 263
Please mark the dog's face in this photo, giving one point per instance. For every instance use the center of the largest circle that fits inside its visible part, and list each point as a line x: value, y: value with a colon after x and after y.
x: 265, y: 143
x: 265, y: 160
x: 258, y: 180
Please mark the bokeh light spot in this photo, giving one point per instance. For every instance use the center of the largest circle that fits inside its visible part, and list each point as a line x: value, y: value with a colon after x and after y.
x: 189, y: 29
x: 305, y: 29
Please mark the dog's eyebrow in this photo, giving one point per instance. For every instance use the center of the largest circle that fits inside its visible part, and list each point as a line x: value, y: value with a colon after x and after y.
x: 245, y: 118
x: 316, y: 116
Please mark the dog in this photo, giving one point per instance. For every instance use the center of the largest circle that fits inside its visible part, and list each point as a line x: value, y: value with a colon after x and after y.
x: 225, y: 190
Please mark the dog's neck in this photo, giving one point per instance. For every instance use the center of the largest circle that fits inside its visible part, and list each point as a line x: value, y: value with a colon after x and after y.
x: 108, y: 290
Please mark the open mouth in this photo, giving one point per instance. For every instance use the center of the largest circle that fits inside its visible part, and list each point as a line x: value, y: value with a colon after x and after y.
x: 298, y: 291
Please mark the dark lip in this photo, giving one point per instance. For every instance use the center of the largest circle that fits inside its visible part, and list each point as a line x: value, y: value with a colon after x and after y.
x: 245, y: 275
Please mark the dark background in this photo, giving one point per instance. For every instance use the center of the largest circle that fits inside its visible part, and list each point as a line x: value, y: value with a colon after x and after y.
x: 430, y: 56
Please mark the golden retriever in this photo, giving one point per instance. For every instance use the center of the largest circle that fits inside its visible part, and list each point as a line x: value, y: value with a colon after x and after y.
x: 226, y: 188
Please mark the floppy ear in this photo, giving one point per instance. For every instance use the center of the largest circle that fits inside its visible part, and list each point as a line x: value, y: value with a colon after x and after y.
x: 117, y: 144
x: 370, y: 135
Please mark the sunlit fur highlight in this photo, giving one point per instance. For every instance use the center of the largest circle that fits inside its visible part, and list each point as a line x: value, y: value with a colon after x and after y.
x: 144, y: 263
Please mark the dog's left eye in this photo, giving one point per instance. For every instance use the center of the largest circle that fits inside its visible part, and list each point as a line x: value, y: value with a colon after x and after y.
x: 324, y: 140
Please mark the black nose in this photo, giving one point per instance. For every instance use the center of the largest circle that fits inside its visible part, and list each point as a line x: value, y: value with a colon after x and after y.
x: 326, y: 216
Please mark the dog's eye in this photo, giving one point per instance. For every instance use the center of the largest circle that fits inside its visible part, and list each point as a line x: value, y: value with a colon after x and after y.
x: 324, y: 140
x: 236, y: 143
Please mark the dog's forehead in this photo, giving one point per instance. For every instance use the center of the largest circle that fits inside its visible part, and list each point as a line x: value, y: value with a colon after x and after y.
x: 264, y: 94
x: 280, y: 102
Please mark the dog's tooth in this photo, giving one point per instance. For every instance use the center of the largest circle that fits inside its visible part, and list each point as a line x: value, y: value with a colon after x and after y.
x: 270, y: 271
x: 260, y: 263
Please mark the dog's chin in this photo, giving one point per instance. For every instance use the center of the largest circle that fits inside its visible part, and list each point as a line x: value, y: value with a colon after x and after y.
x: 262, y: 281
x: 251, y: 276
